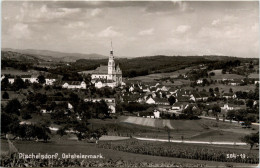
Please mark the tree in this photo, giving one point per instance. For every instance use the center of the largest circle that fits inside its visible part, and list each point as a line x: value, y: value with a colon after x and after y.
x: 251, y: 139
x: 5, y: 83
x: 13, y: 107
x: 41, y: 79
x: 215, y: 110
x: 250, y: 103
x: 172, y: 100
x: 230, y: 90
x: 25, y: 114
x: 9, y: 123
x: 212, y: 73
x: 81, y: 130
x: 62, y: 131
x: 18, y: 84
x: 5, y: 95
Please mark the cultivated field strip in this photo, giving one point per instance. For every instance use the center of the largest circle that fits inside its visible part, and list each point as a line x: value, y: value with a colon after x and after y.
x: 150, y: 122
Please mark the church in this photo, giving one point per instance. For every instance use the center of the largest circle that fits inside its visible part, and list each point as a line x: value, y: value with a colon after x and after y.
x: 110, y: 75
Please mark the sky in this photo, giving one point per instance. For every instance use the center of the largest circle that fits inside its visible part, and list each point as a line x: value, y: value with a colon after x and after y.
x: 136, y: 28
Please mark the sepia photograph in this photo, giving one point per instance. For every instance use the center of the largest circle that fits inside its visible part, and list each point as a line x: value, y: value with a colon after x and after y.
x: 129, y: 83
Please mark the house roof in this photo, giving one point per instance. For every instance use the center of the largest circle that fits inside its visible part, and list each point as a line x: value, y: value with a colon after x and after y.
x: 161, y: 100
x: 172, y: 89
x: 228, y: 94
x: 177, y: 104
x: 183, y: 99
x: 73, y: 82
x: 236, y: 81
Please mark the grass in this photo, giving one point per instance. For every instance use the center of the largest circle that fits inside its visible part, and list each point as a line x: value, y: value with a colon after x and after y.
x: 13, y: 72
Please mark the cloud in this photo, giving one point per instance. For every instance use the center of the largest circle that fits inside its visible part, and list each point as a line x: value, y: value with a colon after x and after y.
x: 109, y: 32
x: 95, y: 12
x: 77, y: 24
x: 42, y: 13
x: 167, y: 6
x: 183, y: 28
x: 146, y: 32
x: 215, y: 22
x: 20, y: 31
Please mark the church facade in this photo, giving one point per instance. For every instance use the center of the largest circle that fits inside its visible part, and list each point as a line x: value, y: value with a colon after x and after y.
x: 110, y: 75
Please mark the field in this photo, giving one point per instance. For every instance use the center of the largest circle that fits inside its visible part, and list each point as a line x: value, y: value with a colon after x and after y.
x: 150, y: 122
x: 91, y: 149
x: 14, y: 72
x: 202, y: 130
x: 219, y: 75
x: 156, y: 76
x: 225, y: 88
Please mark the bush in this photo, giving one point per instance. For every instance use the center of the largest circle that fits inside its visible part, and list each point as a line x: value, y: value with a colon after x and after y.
x: 5, y: 95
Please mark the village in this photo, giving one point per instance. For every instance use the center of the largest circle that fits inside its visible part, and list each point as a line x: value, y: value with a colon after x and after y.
x: 212, y: 96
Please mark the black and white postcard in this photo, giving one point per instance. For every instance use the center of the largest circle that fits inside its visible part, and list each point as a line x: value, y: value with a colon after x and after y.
x: 129, y: 83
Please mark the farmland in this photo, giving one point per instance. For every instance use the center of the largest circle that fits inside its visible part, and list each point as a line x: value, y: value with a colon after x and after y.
x: 203, y: 129
x: 70, y: 146
x: 181, y: 151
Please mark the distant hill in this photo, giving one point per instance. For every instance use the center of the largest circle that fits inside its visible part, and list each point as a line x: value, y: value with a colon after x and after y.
x: 55, y: 55
x: 140, y: 66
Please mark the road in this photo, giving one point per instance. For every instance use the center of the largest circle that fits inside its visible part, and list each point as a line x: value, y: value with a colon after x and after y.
x: 213, y: 118
x: 193, y: 142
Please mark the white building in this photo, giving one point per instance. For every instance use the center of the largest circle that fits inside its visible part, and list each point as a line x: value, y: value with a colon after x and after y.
x: 50, y: 81
x: 74, y: 85
x: 150, y: 101
x: 227, y: 107
x: 31, y: 79
x: 156, y: 114
x: 110, y: 75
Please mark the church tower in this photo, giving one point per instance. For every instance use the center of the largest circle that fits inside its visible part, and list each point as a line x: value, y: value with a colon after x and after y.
x: 111, y: 64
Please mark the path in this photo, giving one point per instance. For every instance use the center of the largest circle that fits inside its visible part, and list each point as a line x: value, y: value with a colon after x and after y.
x: 193, y: 142
x: 212, y: 118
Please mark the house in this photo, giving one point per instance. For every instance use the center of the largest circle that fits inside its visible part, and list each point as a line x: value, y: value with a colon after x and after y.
x: 111, y: 102
x: 74, y: 85
x: 50, y: 80
x: 11, y: 80
x: 99, y: 83
x: 131, y: 89
x: 183, y: 98
x: 199, y: 96
x: 156, y: 114
x: 229, y: 95
x: 160, y: 101
x: 150, y: 100
x: 70, y: 106
x: 146, y: 89
x: 235, y: 82
x: 227, y: 107
x: 31, y: 79
x: 164, y: 88
x: 172, y: 91
x: 199, y: 81
x: 178, y: 106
